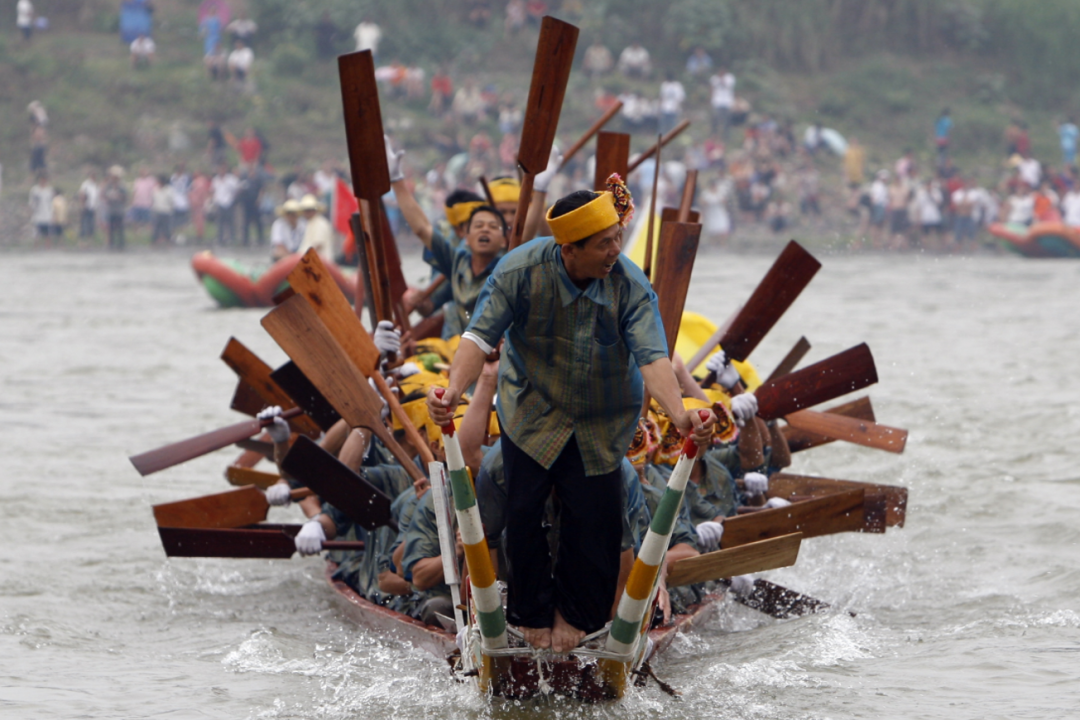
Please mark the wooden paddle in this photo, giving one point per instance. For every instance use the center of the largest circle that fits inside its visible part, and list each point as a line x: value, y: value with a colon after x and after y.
x: 246, y: 400
x: 336, y: 484
x: 260, y: 447
x: 834, y: 513
x: 859, y: 432
x: 672, y: 277
x: 241, y: 476
x: 153, y: 461
x: 753, y: 557
x: 295, y: 383
x: 780, y: 602
x: 593, y: 130
x: 655, y: 149
x: 551, y: 71
x: 825, y: 380
x: 256, y: 373
x: 311, y: 281
x: 612, y: 156
x: 649, y: 241
x: 365, y: 287
x: 301, y: 334
x: 671, y: 214
x: 266, y: 542
x: 688, y: 192
x: 435, y: 284
x: 229, y: 509
x: 791, y: 360
x: 785, y: 485
x: 799, y: 440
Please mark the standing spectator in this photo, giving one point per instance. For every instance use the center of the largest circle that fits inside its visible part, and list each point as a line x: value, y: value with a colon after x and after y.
x: 442, y: 90
x: 510, y: 117
x: 37, y: 114
x: 250, y: 193
x: 634, y: 61
x: 535, y: 10
x: 672, y: 96
x: 242, y: 28
x: 24, y: 18
x: 60, y: 214
x: 515, y: 18
x: 215, y: 143
x: 89, y: 197
x: 598, y: 60
x: 942, y: 128
x: 41, y: 206
x: 318, y: 234
x: 879, y: 205
x: 142, y: 51
x: 180, y: 183
x: 199, y: 196
x: 216, y: 63
x: 1023, y: 141
x: 250, y: 148
x: 812, y: 140
x: 1067, y: 134
x: 1019, y: 208
x: 715, y: 202
x: 1030, y: 171
x: 39, y: 149
x: 699, y: 62
x: 1070, y: 206
x: 808, y: 180
x: 368, y: 36
x: 854, y: 163
x: 722, y: 98
x: 142, y: 197
x: 326, y: 37
x: 115, y: 196
x: 468, y: 103
x: 964, y: 209
x: 210, y: 30
x: 287, y: 232
x: 224, y: 188
x: 162, y: 208
x: 240, y: 60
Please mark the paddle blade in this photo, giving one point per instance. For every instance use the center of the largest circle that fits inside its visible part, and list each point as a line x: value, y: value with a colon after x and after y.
x: 612, y: 156
x: 294, y: 382
x: 750, y: 558
x: 786, y: 279
x: 799, y: 440
x: 830, y: 378
x: 230, y: 543
x: 266, y: 449
x: 785, y: 485
x: 153, y: 461
x: 246, y: 400
x: 336, y: 484
x: 241, y: 476
x: 551, y: 72
x: 230, y: 509
x: 363, y: 125
x: 678, y: 249
x: 859, y: 432
x: 256, y: 373
x: 838, y: 512
x: 780, y: 602
x: 671, y: 214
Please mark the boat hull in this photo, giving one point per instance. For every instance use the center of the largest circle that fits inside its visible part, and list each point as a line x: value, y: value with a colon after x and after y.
x: 1041, y: 240
x: 232, y: 286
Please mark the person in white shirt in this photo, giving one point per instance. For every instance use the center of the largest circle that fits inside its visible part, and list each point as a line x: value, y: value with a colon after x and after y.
x: 287, y: 232
x: 965, y: 201
x: 24, y: 18
x: 1020, y: 207
x: 634, y: 61
x: 722, y: 99
x: 161, y: 209
x: 672, y: 96
x: 318, y: 234
x: 598, y: 60
x: 240, y: 60
x: 242, y: 28
x: 1030, y: 171
x: 41, y: 206
x: 180, y: 182
x: 223, y: 189
x: 142, y: 51
x: 367, y: 35
x: 1070, y: 207
x: 89, y: 196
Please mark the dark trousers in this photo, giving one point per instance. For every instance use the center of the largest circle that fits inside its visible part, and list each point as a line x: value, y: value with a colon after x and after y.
x: 116, y: 231
x: 590, y: 532
x: 252, y: 217
x: 226, y: 224
x: 87, y: 221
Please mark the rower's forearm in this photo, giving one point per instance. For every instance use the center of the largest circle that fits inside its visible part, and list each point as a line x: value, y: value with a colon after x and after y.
x: 467, y: 366
x: 474, y: 425
x: 532, y: 218
x: 661, y: 383
x: 690, y: 388
x: 427, y: 573
x: 781, y: 453
x: 414, y: 215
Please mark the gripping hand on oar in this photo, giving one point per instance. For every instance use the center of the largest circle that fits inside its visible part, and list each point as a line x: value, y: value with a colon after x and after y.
x: 278, y: 428
x: 692, y: 424
x: 725, y: 371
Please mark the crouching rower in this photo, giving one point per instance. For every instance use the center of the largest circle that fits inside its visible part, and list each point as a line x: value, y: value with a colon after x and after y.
x: 582, y: 331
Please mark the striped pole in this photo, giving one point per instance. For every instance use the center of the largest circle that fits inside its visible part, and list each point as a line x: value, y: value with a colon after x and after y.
x: 489, y: 609
x: 635, y: 601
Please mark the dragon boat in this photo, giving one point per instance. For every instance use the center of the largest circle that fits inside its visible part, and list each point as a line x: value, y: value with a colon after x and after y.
x: 231, y: 284
x: 1041, y: 240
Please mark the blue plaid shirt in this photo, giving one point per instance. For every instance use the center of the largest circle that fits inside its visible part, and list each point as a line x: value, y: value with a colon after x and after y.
x: 571, y: 358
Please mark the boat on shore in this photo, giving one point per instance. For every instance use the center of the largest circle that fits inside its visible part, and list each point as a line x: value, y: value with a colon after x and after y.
x: 1041, y: 240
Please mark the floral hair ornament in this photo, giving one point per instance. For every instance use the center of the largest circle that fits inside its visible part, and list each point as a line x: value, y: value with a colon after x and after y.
x: 624, y: 201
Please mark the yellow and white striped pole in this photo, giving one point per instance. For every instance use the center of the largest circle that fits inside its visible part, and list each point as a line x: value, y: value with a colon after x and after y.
x: 634, y: 603
x: 489, y: 609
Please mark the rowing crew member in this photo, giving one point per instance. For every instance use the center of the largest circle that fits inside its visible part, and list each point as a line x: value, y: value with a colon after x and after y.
x: 582, y: 331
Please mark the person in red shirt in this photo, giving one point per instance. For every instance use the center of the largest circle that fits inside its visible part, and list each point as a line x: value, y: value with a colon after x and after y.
x: 249, y: 148
x: 442, y: 91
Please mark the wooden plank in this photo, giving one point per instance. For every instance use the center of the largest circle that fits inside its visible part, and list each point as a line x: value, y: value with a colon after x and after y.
x: 752, y: 557
x: 273, y: 543
x: 363, y: 125
x: 612, y: 156
x: 895, y: 496
x: 825, y: 380
x: 297, y: 329
x: 293, y: 381
x: 672, y: 134
x: 241, y: 476
x: 859, y: 432
x: 674, y: 265
x: 799, y: 440
x: 671, y: 214
x: 791, y: 360
x: 256, y: 373
x: 837, y: 512
x: 229, y: 509
x: 246, y: 400
x: 688, y: 192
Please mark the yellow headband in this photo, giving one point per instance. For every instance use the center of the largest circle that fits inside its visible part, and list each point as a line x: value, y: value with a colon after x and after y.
x: 505, y: 190
x: 584, y: 222
x: 458, y: 214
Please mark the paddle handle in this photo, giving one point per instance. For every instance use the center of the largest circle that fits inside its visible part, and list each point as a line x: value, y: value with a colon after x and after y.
x: 286, y: 415
x: 449, y: 428
x: 524, y: 202
x: 596, y: 127
x: 343, y: 545
x: 659, y: 144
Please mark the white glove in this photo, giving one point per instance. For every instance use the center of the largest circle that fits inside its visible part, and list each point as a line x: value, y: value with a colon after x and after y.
x: 279, y: 429
x: 709, y: 534
x: 543, y: 178
x: 756, y: 483
x: 387, y: 337
x: 726, y: 374
x: 742, y: 585
x: 776, y: 503
x: 385, y: 412
x: 394, y: 161
x: 408, y: 369
x: 743, y: 407
x: 310, y: 538
x: 278, y: 494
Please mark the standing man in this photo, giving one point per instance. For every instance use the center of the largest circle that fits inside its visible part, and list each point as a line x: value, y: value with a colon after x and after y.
x: 942, y: 128
x: 89, y: 193
x: 582, y: 330
x: 24, y: 18
x: 367, y: 35
x: 318, y: 232
x: 224, y: 188
x: 722, y: 99
x: 672, y: 96
x: 115, y: 196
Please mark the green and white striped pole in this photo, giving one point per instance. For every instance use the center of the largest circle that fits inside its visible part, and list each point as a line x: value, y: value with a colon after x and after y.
x: 489, y: 609
x: 634, y: 602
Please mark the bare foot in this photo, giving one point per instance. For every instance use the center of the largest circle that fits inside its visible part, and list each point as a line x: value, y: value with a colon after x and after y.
x: 537, y: 637
x: 564, y: 636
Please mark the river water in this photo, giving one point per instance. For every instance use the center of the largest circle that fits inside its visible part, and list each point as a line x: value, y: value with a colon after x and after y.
x: 970, y: 611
